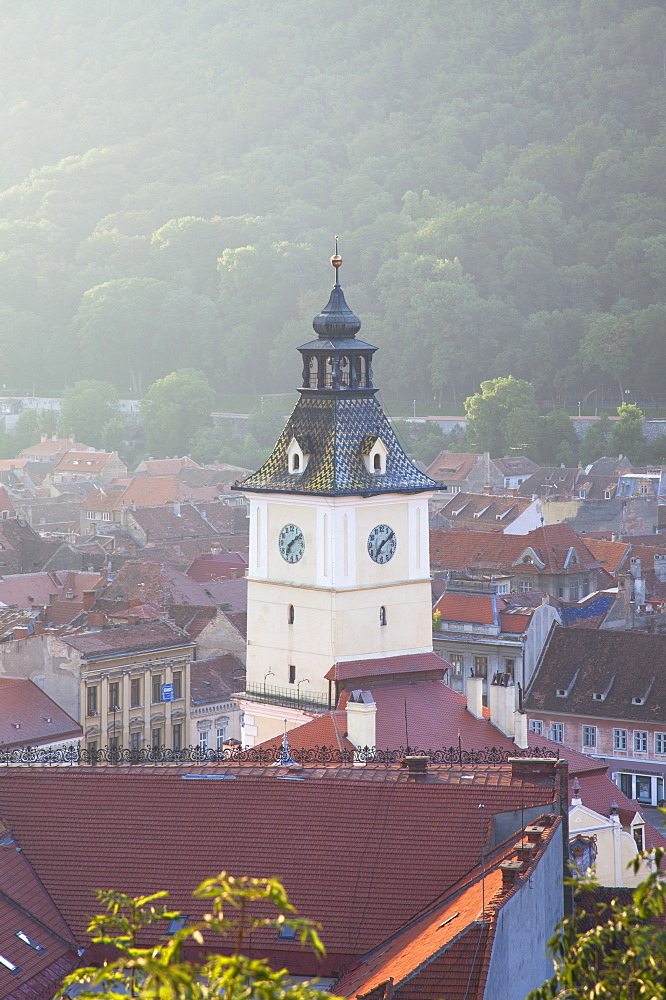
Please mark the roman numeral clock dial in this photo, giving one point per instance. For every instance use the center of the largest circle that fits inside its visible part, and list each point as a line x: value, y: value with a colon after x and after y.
x: 292, y: 543
x: 381, y: 543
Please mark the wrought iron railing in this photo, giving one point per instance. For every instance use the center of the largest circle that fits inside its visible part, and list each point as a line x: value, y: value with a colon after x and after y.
x: 79, y: 755
x: 287, y: 697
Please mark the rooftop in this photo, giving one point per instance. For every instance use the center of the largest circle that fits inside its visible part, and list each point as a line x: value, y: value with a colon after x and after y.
x: 126, y: 639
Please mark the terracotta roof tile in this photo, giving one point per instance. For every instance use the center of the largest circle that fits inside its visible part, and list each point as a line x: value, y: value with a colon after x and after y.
x: 429, y: 837
x: 28, y: 717
x: 153, y: 583
x: 477, y: 609
x: 460, y: 550
x: 610, y: 555
x: 452, y: 465
x: 215, y: 678
x: 210, y: 567
x: 126, y: 639
x: 379, y: 666
x: 329, y: 730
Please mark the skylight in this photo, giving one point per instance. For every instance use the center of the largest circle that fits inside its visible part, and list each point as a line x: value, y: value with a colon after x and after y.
x: 9, y: 965
x: 30, y: 942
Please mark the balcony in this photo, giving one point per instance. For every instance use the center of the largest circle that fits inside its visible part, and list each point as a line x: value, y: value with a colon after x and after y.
x: 287, y: 697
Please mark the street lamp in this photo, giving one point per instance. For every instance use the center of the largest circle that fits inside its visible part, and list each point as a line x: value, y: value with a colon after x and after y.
x: 269, y: 674
x: 116, y: 708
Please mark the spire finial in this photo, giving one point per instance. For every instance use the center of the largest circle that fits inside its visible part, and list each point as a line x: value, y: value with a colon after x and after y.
x: 336, y: 260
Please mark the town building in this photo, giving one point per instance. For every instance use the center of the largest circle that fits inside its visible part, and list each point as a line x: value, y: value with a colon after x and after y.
x: 99, y: 466
x: 603, y: 693
x: 338, y: 560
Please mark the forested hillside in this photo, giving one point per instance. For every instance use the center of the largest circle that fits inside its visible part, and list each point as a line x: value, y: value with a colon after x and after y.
x: 172, y: 174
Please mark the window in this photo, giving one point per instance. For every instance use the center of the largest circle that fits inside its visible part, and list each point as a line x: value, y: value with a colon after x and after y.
x: 382, y: 615
x: 177, y: 681
x: 524, y: 586
x: 9, y: 965
x: 156, y: 738
x: 660, y: 742
x: 590, y: 737
x: 480, y: 666
x: 91, y: 701
x: 607, y: 495
x: 134, y: 742
x: 220, y: 737
x: 292, y: 673
x: 638, y: 837
x: 640, y: 741
x: 619, y: 739
x: 557, y: 732
x: 90, y: 515
x: 203, y: 740
x: 295, y: 462
x: 290, y: 614
x: 177, y: 923
x: 510, y: 668
x: 106, y: 515
x: 22, y: 936
x: 114, y: 695
x: 157, y: 687
x: 573, y: 591
x: 536, y: 726
x: 287, y: 932
x: 456, y: 660
x: 135, y: 692
x: 377, y: 462
x: 178, y: 736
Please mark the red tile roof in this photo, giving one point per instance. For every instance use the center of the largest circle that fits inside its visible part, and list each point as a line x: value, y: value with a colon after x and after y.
x: 27, y: 589
x: 40, y: 972
x: 379, y: 666
x: 515, y: 622
x: 215, y: 678
x: 154, y: 583
x: 210, y: 567
x: 169, y: 466
x: 610, y: 555
x: 460, y: 550
x: 450, y: 465
x: 126, y: 639
x: 28, y: 717
x: 82, y: 461
x: 478, y: 609
x: 5, y: 502
x: 483, y: 511
x: 328, y: 730
x: 359, y: 849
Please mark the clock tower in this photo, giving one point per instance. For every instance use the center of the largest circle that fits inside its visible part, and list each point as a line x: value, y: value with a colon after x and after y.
x: 339, y: 558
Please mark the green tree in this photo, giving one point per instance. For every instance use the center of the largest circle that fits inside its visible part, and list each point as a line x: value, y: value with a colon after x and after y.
x: 627, y: 434
x: 237, y: 908
x: 595, y: 440
x: 27, y: 430
x: 87, y: 406
x: 204, y: 446
x: 621, y: 957
x: 174, y: 409
x: 558, y: 443
x: 503, y: 417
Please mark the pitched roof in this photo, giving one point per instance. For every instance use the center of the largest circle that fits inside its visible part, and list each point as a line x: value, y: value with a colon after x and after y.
x: 549, y: 481
x: 451, y: 465
x: 83, y: 461
x: 477, y: 609
x: 409, y: 838
x: 27, y: 589
x: 174, y: 522
x: 212, y: 566
x: 148, y: 582
x: 609, y: 555
x: 49, y: 447
x: 336, y: 429
x: 515, y: 465
x: 378, y: 666
x: 460, y: 549
x: 484, y: 511
x: 329, y: 730
x: 168, y: 466
x: 126, y: 639
x: 40, y: 971
x: 618, y: 667
x: 214, y: 678
x: 28, y: 717
x: 590, y: 611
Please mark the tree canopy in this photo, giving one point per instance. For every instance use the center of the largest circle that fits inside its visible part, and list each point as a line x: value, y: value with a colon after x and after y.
x: 174, y: 410
x: 172, y: 175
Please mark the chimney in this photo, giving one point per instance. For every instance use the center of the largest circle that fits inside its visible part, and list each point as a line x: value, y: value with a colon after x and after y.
x: 176, y: 508
x: 20, y: 632
x: 416, y: 764
x: 72, y: 440
x: 502, y: 700
x: 88, y: 599
x: 534, y: 834
x: 44, y: 437
x: 475, y: 696
x: 660, y: 566
x: 38, y: 628
x: 510, y: 871
x: 361, y: 719
x: 532, y: 767
x: 54, y: 436
x: 96, y: 619
x: 520, y: 730
x: 525, y: 852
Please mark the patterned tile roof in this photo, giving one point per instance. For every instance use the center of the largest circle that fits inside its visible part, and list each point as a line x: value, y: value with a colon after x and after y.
x: 590, y: 612
x: 403, y: 842
x: 336, y: 430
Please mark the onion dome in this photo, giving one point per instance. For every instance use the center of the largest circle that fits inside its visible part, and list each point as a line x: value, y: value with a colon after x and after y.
x: 336, y: 318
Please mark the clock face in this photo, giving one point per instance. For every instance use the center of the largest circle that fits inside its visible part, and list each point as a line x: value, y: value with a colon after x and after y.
x: 292, y: 543
x: 381, y: 543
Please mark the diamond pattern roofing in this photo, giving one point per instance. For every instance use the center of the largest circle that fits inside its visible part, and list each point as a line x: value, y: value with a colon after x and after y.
x: 336, y: 430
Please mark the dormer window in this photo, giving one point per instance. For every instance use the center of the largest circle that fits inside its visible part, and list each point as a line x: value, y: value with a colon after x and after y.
x: 297, y: 459
x: 374, y: 453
